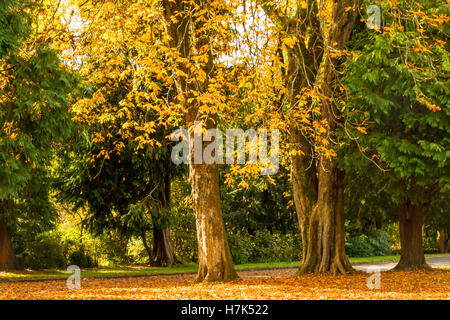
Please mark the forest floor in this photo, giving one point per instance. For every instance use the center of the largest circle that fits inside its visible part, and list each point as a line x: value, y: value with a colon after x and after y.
x: 258, y: 281
x: 361, y: 263
x: 256, y: 284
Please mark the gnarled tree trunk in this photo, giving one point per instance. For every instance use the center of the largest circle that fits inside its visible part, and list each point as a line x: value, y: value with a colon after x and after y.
x: 326, y: 244
x: 7, y: 256
x: 304, y: 60
x: 411, y: 235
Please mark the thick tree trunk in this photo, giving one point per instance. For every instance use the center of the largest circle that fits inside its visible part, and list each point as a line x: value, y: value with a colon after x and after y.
x: 215, y: 260
x: 444, y: 241
x: 326, y: 244
x: 326, y: 239
x: 7, y: 256
x: 214, y: 255
x: 410, y: 223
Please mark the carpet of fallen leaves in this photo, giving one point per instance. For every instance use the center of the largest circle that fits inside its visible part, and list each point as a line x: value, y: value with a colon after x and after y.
x: 261, y: 284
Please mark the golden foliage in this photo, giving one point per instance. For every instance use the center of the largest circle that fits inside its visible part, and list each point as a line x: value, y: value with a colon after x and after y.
x: 265, y: 285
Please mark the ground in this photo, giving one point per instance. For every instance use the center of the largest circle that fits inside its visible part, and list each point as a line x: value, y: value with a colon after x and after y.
x: 254, y: 285
x: 264, y: 284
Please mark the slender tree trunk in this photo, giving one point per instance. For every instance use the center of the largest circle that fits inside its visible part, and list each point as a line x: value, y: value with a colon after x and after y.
x: 444, y: 241
x: 411, y: 235
x: 303, y: 64
x: 304, y: 187
x: 147, y: 247
x: 379, y: 225
x: 7, y: 256
x: 163, y: 253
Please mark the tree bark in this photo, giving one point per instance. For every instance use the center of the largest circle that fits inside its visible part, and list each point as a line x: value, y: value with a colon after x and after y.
x: 326, y: 244
x: 304, y: 60
x: 214, y: 255
x: 326, y: 239
x: 215, y: 260
x: 411, y: 235
x: 7, y: 255
x: 163, y: 253
x: 304, y: 186
x: 444, y: 241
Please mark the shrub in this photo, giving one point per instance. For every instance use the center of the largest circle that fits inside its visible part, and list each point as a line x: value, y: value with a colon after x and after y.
x: 264, y: 247
x: 45, y: 252
x: 430, y: 242
x: 184, y: 235
x: 81, y: 259
x: 373, y: 244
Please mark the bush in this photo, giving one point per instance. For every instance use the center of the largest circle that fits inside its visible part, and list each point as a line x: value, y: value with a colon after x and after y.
x: 264, y: 247
x: 45, y: 252
x: 373, y: 244
x: 184, y: 235
x: 430, y: 240
x: 81, y: 259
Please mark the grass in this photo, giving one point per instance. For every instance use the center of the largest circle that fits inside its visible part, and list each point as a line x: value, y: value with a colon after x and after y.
x: 132, y: 271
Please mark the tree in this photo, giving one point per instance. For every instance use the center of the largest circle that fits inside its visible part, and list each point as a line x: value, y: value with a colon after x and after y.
x: 197, y: 31
x: 153, y: 50
x: 326, y: 239
x: 310, y: 79
x: 34, y: 98
x: 398, y: 81
x: 129, y: 191
x: 301, y: 48
x: 122, y: 113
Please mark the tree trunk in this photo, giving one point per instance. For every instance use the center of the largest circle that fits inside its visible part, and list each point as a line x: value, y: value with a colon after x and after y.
x: 163, y: 255
x: 410, y: 223
x: 147, y: 247
x: 303, y: 64
x: 215, y: 260
x: 444, y: 241
x: 326, y: 244
x: 304, y: 186
x: 214, y: 255
x: 326, y: 239
x: 379, y: 225
x: 7, y: 256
